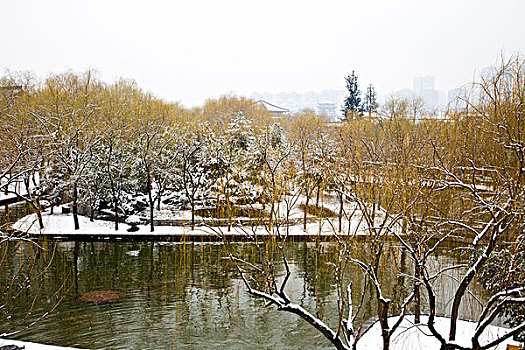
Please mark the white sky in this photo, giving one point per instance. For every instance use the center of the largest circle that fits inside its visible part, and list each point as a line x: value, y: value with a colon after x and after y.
x: 190, y: 50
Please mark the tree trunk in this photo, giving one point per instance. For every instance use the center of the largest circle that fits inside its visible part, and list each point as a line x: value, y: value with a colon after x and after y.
x: 272, y: 213
x: 115, y: 208
x: 305, y: 209
x: 150, y: 200
x: 463, y: 286
x: 75, y: 206
x: 417, y: 295
x: 228, y: 208
x: 38, y: 210
x: 340, y: 211
x: 40, y: 221
x: 192, y: 215
x: 382, y: 313
x: 152, y: 227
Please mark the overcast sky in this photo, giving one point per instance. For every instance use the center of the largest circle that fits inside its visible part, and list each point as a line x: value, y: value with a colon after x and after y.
x: 190, y: 50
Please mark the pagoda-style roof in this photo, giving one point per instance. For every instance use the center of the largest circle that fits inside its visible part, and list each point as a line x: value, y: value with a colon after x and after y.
x: 272, y: 108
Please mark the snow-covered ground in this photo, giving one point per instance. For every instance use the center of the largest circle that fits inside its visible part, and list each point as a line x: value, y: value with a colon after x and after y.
x: 59, y: 224
x: 411, y: 337
x: 62, y: 225
x: 15, y: 186
x: 32, y: 346
x: 170, y: 221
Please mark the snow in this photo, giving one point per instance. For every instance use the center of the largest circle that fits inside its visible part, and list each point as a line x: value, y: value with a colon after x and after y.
x: 32, y: 346
x: 15, y: 185
x: 62, y: 225
x: 59, y: 224
x: 133, y: 220
x: 409, y: 336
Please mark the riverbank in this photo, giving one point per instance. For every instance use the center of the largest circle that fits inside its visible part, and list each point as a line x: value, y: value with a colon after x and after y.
x: 32, y: 346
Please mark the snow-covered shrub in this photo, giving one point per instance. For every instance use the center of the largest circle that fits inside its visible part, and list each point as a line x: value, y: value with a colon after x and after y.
x: 133, y: 221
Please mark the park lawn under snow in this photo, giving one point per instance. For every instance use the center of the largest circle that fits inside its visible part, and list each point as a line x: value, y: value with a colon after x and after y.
x: 62, y: 225
x: 411, y: 337
x: 59, y: 224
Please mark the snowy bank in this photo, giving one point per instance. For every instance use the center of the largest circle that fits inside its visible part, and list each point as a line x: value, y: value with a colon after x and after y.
x: 61, y: 225
x: 418, y: 337
x: 32, y: 346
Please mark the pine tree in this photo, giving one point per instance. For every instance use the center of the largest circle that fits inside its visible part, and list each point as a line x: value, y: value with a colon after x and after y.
x: 352, y: 104
x: 277, y: 136
x: 370, y: 104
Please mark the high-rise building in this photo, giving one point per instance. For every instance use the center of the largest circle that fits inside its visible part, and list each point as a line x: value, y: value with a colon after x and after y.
x: 422, y: 83
x: 424, y: 86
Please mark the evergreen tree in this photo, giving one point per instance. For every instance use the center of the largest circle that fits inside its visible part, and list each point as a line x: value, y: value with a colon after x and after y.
x: 370, y: 104
x: 352, y: 104
x: 277, y: 136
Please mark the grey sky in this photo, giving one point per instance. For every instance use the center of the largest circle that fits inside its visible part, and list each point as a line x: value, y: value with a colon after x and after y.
x: 188, y: 51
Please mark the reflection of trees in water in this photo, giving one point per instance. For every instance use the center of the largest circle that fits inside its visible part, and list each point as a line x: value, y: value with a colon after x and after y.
x: 184, y: 292
x: 318, y: 264
x: 27, y: 295
x: 10, y: 213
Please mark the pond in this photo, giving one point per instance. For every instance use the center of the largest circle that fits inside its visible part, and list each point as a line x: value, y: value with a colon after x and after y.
x: 177, y: 295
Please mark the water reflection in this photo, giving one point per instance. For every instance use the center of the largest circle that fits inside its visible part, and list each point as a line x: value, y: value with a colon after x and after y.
x: 185, y: 296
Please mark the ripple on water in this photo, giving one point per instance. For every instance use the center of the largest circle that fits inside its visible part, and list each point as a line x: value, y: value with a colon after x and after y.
x: 176, y: 295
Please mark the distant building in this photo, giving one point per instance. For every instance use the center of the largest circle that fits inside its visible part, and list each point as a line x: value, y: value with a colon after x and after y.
x: 431, y: 97
x: 422, y: 83
x: 296, y: 102
x: 273, y: 109
x: 424, y: 86
x: 327, y: 108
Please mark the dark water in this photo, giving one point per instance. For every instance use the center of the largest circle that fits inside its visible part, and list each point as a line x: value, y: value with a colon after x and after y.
x: 11, y: 213
x: 181, y: 295
x: 173, y: 296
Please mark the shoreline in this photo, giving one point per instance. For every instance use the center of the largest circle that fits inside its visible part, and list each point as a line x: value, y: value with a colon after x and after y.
x: 60, y: 226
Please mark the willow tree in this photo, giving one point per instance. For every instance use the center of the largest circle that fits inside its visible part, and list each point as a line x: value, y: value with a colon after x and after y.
x: 24, y: 150
x: 303, y: 131
x: 479, y: 169
x: 151, y: 145
x: 68, y: 110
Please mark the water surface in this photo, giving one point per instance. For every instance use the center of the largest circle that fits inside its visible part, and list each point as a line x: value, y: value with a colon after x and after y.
x: 182, y: 295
